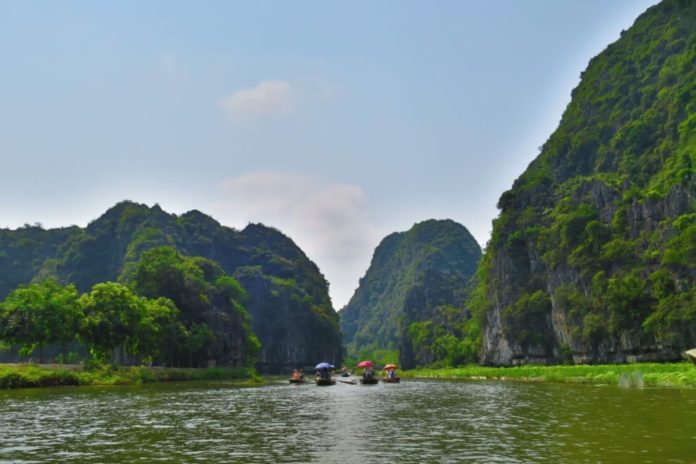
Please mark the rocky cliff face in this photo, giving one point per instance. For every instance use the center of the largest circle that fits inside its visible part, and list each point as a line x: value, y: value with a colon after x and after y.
x: 290, y: 334
x: 593, y: 256
x: 415, y: 276
x: 291, y: 310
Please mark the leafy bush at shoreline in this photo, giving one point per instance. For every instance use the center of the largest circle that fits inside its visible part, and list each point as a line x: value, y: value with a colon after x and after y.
x: 29, y: 375
x: 680, y: 374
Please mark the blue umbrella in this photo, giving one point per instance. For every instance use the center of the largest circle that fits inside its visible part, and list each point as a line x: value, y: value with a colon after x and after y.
x: 324, y: 365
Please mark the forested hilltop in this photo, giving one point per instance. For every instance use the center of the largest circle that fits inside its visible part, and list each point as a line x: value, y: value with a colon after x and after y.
x: 411, y: 298
x: 283, y: 290
x: 593, y: 255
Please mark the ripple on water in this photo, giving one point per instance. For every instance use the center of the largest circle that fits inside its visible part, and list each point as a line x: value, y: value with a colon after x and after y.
x: 412, y: 422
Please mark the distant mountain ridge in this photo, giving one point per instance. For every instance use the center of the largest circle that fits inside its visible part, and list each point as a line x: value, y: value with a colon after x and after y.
x: 414, y: 276
x: 288, y: 296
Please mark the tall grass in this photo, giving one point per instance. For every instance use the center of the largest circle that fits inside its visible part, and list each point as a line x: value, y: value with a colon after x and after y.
x: 29, y: 375
x: 680, y: 374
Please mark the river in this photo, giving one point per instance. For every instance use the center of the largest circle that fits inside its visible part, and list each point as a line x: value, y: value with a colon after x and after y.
x: 412, y: 422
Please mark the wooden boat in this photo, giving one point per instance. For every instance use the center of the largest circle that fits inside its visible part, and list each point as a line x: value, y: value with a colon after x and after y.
x: 324, y: 382
x: 691, y: 355
x: 391, y: 379
x: 296, y: 380
x: 370, y: 381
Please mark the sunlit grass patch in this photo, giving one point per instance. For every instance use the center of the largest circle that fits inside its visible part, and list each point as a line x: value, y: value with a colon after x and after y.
x: 31, y: 375
x: 680, y: 374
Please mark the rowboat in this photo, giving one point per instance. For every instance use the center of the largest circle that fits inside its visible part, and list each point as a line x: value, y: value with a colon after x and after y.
x: 296, y: 380
x: 370, y: 381
x: 691, y: 355
x: 324, y: 382
x: 390, y: 374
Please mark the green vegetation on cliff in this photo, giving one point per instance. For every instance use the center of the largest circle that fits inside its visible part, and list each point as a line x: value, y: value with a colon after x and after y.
x: 412, y: 297
x: 215, y: 323
x: 280, y: 284
x: 593, y: 256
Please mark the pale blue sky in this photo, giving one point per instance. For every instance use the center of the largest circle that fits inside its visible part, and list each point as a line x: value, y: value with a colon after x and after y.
x: 337, y: 122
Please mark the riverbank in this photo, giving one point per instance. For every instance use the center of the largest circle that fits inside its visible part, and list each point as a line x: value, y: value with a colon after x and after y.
x: 639, y: 375
x: 57, y: 375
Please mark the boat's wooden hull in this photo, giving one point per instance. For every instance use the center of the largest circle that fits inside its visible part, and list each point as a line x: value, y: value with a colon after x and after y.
x: 391, y: 379
x: 691, y: 355
x: 368, y: 381
x: 325, y: 382
x: 296, y: 380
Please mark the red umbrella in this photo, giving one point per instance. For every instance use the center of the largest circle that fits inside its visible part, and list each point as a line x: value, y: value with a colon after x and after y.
x: 365, y: 364
x: 391, y: 366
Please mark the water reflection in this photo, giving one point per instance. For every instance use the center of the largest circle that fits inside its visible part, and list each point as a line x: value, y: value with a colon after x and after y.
x: 415, y: 421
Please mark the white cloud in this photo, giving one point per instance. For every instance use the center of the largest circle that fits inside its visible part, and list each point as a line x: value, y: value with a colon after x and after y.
x: 328, y: 220
x: 269, y: 98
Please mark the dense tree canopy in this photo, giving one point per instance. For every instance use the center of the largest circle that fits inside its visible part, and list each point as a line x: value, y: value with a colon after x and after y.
x: 175, y: 311
x: 111, y: 315
x: 210, y: 305
x: 40, y: 314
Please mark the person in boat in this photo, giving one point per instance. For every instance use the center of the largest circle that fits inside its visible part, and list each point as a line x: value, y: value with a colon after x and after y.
x: 391, y: 373
x: 301, y: 373
x: 323, y: 374
x: 296, y: 374
x: 368, y: 373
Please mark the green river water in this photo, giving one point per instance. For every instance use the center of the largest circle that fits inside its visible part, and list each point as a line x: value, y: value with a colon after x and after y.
x: 412, y: 422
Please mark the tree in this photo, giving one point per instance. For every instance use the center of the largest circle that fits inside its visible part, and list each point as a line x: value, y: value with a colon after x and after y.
x: 111, y: 317
x: 163, y: 272
x: 216, y: 323
x: 159, y: 335
x: 40, y: 314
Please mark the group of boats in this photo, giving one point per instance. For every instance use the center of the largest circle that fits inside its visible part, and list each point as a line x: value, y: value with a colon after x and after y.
x: 324, y: 375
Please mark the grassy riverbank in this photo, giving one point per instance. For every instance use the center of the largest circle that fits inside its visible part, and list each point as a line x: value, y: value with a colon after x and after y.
x: 681, y: 374
x: 32, y: 375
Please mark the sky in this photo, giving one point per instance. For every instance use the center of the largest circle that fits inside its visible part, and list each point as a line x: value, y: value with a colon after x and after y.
x: 336, y: 122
